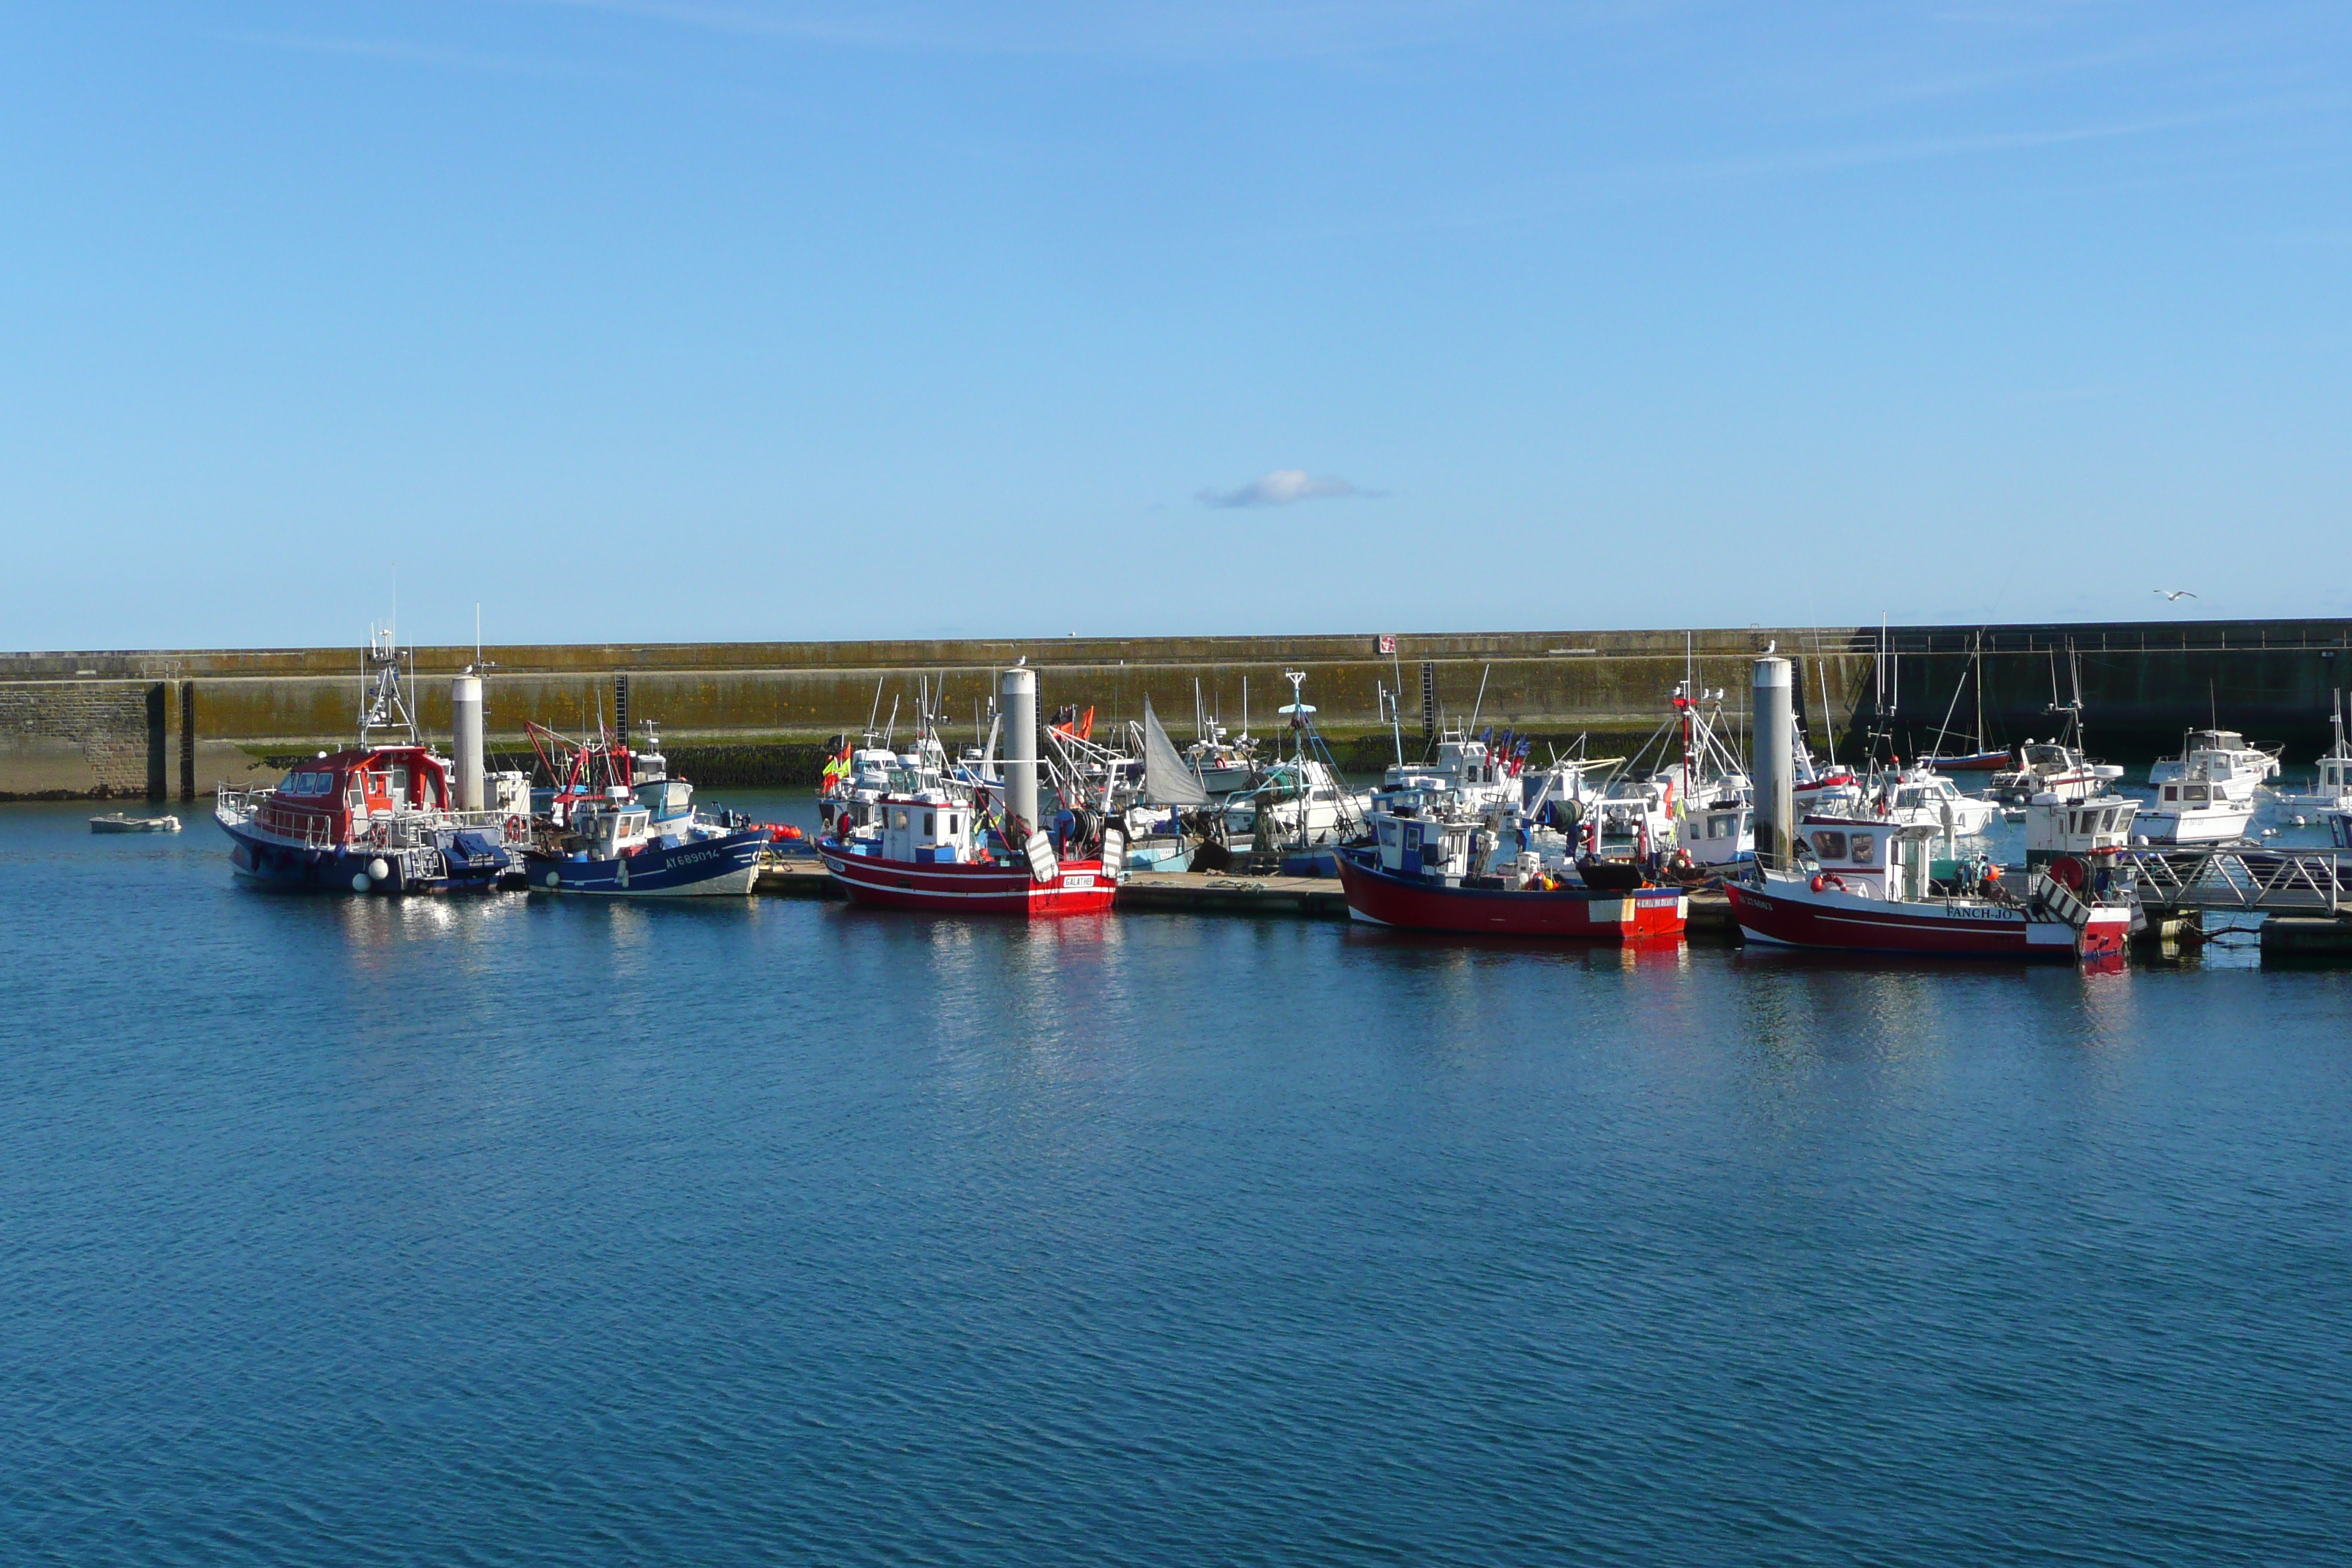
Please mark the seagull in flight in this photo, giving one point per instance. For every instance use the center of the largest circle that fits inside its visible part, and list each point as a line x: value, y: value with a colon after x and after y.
x: 2173, y: 596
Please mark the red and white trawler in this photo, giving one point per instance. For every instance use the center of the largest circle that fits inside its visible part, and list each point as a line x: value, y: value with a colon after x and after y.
x: 1877, y: 885
x: 1874, y: 886
x: 953, y: 847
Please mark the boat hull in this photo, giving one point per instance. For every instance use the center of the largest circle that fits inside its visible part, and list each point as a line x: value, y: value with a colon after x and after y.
x: 704, y: 868
x: 1377, y: 897
x: 346, y: 869
x: 1078, y: 888
x: 1834, y: 921
x: 1160, y: 854
x: 2209, y: 824
x: 1974, y: 762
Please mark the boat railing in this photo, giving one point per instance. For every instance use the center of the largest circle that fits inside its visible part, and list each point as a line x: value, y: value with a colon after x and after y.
x: 403, y: 830
x: 253, y: 808
x: 2231, y: 877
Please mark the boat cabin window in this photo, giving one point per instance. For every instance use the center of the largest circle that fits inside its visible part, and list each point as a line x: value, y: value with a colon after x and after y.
x: 2172, y: 792
x: 2194, y: 794
x: 898, y: 817
x: 930, y: 825
x: 1865, y: 849
x: 1829, y: 845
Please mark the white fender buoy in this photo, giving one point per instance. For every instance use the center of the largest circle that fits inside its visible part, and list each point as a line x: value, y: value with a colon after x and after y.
x: 378, y: 870
x: 554, y: 880
x: 359, y: 881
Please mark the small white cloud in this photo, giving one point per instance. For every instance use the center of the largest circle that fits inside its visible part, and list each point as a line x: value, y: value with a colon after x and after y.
x: 1283, y: 486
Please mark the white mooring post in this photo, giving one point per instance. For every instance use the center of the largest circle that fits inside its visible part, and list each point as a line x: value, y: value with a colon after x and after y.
x: 1773, y: 762
x: 1017, y: 695
x: 465, y: 737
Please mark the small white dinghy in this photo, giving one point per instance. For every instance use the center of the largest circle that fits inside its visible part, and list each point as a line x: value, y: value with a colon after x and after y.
x: 116, y: 822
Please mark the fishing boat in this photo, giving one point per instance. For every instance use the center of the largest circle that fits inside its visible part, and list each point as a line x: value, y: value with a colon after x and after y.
x: 1711, y: 798
x: 1867, y: 887
x: 119, y: 822
x: 2057, y: 765
x: 619, y: 826
x: 961, y: 847
x: 2331, y: 780
x: 938, y: 853
x: 384, y: 816
x: 2052, y: 767
x: 1299, y: 810
x: 1416, y: 875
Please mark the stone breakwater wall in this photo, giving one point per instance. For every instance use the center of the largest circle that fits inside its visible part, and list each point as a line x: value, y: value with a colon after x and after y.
x: 174, y: 723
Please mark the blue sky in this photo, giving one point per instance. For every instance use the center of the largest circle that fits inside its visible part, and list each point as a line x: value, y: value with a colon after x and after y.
x: 751, y: 319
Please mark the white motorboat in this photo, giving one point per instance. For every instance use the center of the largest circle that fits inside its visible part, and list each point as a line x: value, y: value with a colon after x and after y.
x: 1922, y: 797
x: 118, y: 821
x: 2221, y: 761
x: 2205, y: 797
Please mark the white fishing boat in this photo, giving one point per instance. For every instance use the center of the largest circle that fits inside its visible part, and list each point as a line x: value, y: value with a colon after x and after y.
x: 1299, y: 807
x: 2053, y: 767
x: 2091, y: 831
x: 1708, y: 793
x: 2331, y: 779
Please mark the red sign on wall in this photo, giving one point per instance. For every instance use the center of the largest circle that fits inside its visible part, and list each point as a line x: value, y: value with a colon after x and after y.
x: 1388, y: 642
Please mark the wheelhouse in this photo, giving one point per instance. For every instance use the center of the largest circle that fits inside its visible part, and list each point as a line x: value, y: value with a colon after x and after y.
x: 335, y: 796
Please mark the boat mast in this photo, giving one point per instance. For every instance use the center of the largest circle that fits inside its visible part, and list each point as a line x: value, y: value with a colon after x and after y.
x: 382, y: 705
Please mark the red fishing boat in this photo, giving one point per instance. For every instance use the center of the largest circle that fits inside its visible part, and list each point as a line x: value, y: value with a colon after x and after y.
x: 970, y: 846
x: 1878, y: 887
x: 932, y: 852
x: 1416, y: 874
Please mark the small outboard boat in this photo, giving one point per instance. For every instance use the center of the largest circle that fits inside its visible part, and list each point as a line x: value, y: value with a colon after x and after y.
x: 116, y: 821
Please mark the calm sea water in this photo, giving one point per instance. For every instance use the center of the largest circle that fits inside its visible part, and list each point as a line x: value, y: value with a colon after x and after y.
x: 531, y: 1231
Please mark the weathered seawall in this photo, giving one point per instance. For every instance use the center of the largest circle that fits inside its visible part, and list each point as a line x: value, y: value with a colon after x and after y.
x: 174, y: 723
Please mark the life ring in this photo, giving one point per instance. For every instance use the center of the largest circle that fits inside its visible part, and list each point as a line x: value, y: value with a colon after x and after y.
x: 1823, y: 880
x: 378, y: 837
x: 517, y: 827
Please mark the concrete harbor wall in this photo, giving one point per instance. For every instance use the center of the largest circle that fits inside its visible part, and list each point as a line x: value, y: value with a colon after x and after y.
x: 175, y: 723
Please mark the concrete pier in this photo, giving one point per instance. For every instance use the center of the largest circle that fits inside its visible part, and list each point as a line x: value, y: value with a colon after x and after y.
x: 1254, y: 898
